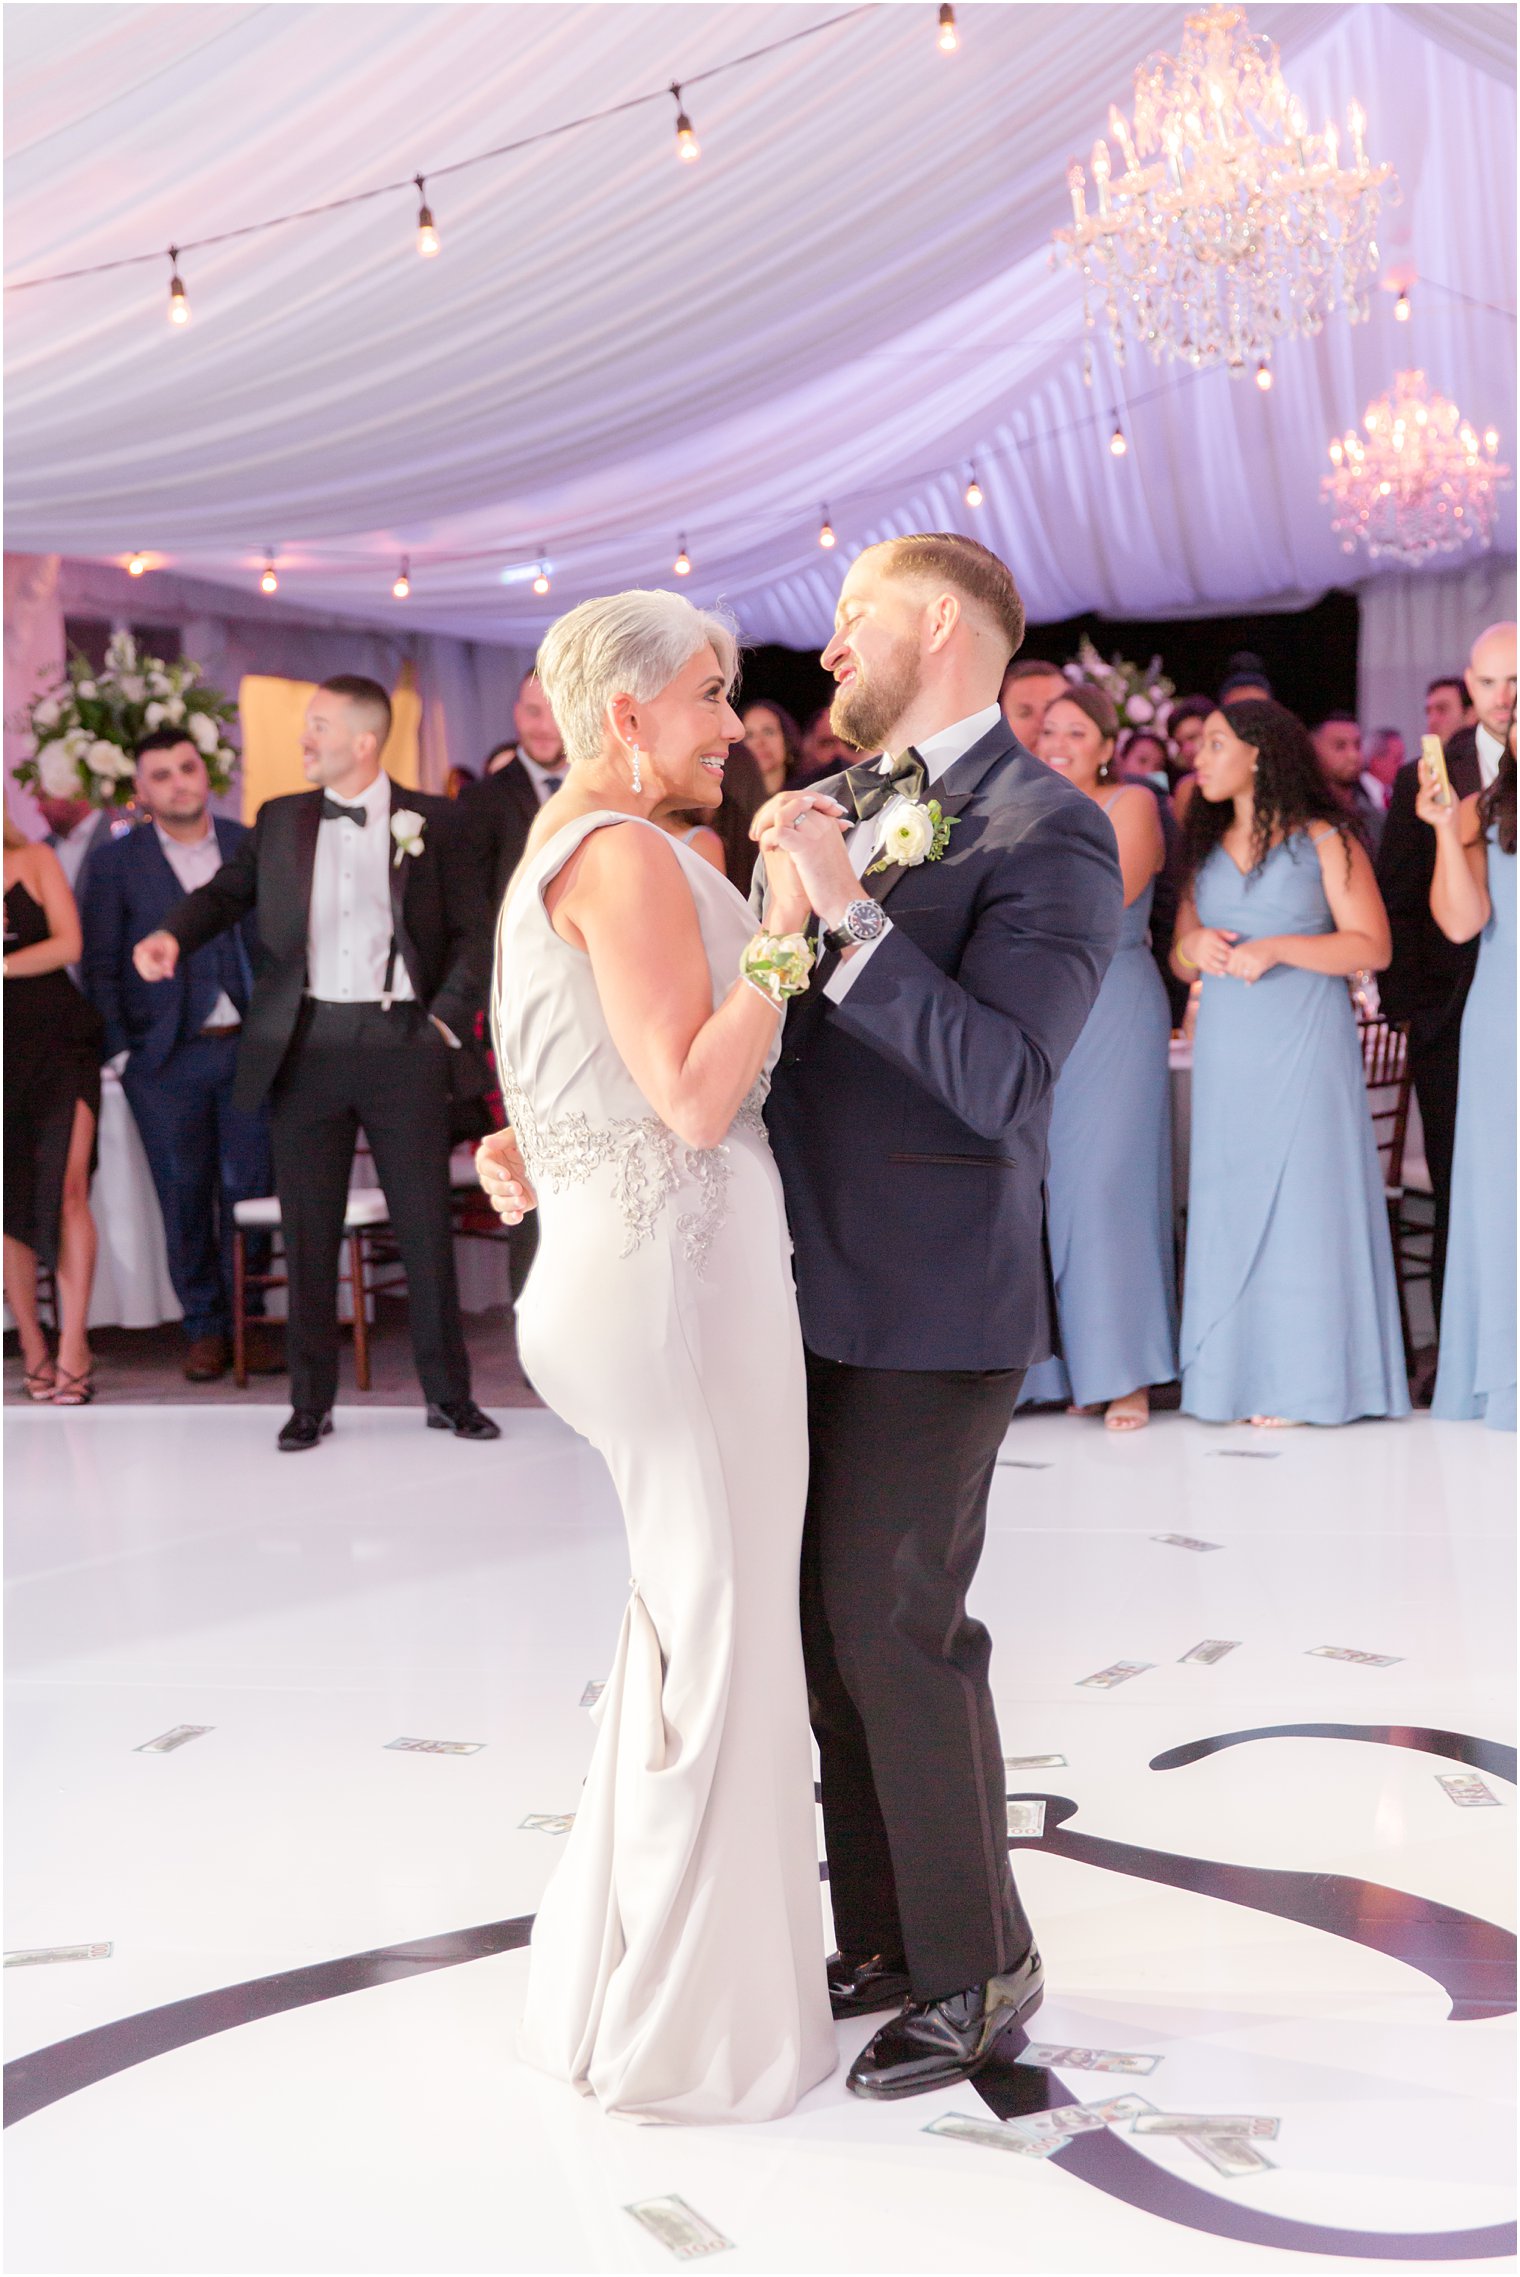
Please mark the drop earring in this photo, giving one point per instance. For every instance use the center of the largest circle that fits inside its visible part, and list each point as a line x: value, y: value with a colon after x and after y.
x: 638, y: 779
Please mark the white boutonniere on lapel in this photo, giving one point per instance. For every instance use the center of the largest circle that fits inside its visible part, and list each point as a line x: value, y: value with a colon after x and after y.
x: 407, y: 827
x: 911, y: 834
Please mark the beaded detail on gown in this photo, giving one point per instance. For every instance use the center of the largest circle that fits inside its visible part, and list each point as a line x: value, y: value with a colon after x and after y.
x: 676, y: 1969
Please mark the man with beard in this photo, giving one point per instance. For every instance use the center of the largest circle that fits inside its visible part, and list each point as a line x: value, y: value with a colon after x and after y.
x: 908, y: 1112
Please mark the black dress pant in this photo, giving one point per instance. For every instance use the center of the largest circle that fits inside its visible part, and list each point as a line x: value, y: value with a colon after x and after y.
x: 914, y: 1794
x: 353, y: 1066
x: 1434, y: 1053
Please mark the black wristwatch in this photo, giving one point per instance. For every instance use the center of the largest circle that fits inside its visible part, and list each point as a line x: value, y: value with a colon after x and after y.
x: 862, y: 921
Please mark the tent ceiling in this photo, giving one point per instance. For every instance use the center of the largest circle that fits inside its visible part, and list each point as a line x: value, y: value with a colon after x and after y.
x: 845, y: 300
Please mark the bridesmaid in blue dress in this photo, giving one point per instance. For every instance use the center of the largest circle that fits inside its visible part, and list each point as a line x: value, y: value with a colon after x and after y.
x: 1289, y: 1309
x: 1472, y: 895
x: 1109, y: 1184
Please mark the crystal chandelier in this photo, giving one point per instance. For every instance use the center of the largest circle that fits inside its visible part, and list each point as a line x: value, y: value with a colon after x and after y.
x: 1231, y: 225
x: 1419, y: 483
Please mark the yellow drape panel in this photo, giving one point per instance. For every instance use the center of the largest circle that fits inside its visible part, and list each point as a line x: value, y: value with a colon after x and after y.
x: 273, y: 713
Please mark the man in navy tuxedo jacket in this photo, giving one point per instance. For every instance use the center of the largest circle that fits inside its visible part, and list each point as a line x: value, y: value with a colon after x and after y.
x: 178, y: 1045
x: 909, y: 1112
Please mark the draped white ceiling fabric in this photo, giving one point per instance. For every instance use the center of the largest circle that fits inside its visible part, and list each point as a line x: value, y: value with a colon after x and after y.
x: 847, y: 300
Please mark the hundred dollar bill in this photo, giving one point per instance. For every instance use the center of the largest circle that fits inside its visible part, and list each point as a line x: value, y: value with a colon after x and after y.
x: 1048, y: 2058
x: 1204, y: 2123
x: 1013, y: 1463
x: 547, y: 1822
x: 437, y: 1746
x: 994, y: 2134
x: 1119, y: 1673
x: 679, y: 2229
x: 593, y: 1692
x: 1186, y: 1542
x: 1070, y: 2119
x: 1228, y: 2154
x: 1360, y: 1659
x: 1034, y: 1762
x: 1467, y: 1790
x: 1026, y: 1820
x: 168, y: 1741
x: 1212, y: 1649
x: 1245, y: 1454
x: 28, y: 1956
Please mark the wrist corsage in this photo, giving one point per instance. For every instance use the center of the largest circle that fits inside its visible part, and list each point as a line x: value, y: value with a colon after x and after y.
x: 777, y: 964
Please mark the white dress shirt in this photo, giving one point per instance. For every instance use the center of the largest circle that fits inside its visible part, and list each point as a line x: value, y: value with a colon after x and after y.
x: 545, y: 780
x: 349, y: 927
x: 1490, y: 752
x: 195, y: 863
x: 938, y: 753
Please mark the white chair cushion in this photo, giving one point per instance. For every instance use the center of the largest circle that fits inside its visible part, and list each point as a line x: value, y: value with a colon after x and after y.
x: 366, y: 1206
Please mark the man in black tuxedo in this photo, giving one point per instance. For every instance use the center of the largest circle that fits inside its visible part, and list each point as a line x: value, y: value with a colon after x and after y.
x: 368, y: 973
x: 1427, y: 981
x: 496, y: 815
x: 499, y: 810
x: 909, y: 1113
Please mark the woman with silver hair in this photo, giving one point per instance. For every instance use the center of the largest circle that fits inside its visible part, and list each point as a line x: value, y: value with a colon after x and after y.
x: 676, y: 1969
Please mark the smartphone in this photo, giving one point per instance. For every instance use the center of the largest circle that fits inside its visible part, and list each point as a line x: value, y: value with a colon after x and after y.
x: 1434, y: 757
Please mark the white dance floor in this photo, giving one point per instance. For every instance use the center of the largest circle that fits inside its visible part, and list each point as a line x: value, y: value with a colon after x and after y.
x: 1304, y: 1925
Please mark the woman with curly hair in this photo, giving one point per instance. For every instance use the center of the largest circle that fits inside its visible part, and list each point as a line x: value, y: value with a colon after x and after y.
x: 1472, y: 896
x: 1289, y: 1309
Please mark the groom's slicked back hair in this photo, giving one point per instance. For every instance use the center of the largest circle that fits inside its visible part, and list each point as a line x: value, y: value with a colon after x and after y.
x: 944, y: 557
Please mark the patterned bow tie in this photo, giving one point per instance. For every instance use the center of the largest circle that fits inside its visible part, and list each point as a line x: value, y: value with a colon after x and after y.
x: 876, y: 781
x: 333, y: 810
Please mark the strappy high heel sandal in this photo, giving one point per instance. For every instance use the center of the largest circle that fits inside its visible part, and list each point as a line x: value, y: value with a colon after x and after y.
x: 74, y: 1391
x: 41, y: 1383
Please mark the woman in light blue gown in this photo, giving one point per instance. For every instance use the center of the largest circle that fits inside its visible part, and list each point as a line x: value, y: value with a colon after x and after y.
x: 1472, y: 896
x: 1109, y: 1184
x: 1289, y: 1309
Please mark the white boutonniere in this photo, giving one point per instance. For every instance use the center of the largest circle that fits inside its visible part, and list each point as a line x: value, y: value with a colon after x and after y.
x: 407, y: 827
x: 911, y: 834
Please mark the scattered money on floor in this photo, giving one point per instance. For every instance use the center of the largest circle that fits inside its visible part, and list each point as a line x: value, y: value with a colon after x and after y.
x: 168, y: 1741
x: 1034, y: 1763
x: 679, y: 2229
x: 437, y: 1746
x: 1119, y: 1673
x: 1203, y: 2123
x: 547, y: 1822
x: 1048, y: 2058
x: 593, y: 1692
x: 1212, y: 1649
x: 1467, y: 1790
x: 1360, y: 1659
x: 1228, y: 2154
x: 29, y: 1956
x: 1186, y: 1542
x: 1026, y: 1820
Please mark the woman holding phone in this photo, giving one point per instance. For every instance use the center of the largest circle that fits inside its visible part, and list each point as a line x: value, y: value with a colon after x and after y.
x: 1472, y: 897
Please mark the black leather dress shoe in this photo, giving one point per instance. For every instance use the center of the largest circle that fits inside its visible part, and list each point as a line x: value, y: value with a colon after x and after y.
x: 463, y: 1418
x: 859, y: 1984
x: 303, y: 1430
x: 937, y: 2043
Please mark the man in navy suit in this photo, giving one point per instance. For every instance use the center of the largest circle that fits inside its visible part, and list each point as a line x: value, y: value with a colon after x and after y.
x: 909, y: 1114
x: 178, y: 1046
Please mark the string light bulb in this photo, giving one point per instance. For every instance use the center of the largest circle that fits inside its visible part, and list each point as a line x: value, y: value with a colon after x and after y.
x: 688, y: 149
x: 137, y: 565
x: 269, y: 582
x: 541, y: 581
x: 179, y: 306
x: 949, y: 38
x: 427, y: 228
x: 1118, y: 447
x: 1401, y: 307
x: 973, y: 490
x: 1264, y: 378
x: 403, y: 584
x: 682, y: 563
x: 826, y: 537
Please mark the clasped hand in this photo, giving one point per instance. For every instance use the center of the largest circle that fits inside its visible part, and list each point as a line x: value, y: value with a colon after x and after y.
x: 1215, y: 949
x: 504, y: 1176
x: 807, y: 865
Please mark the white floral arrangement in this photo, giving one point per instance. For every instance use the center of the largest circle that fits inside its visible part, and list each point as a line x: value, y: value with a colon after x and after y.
x: 86, y: 725
x: 1139, y: 695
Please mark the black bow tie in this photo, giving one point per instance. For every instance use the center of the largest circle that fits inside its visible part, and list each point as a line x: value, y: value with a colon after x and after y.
x: 333, y: 810
x: 869, y: 786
